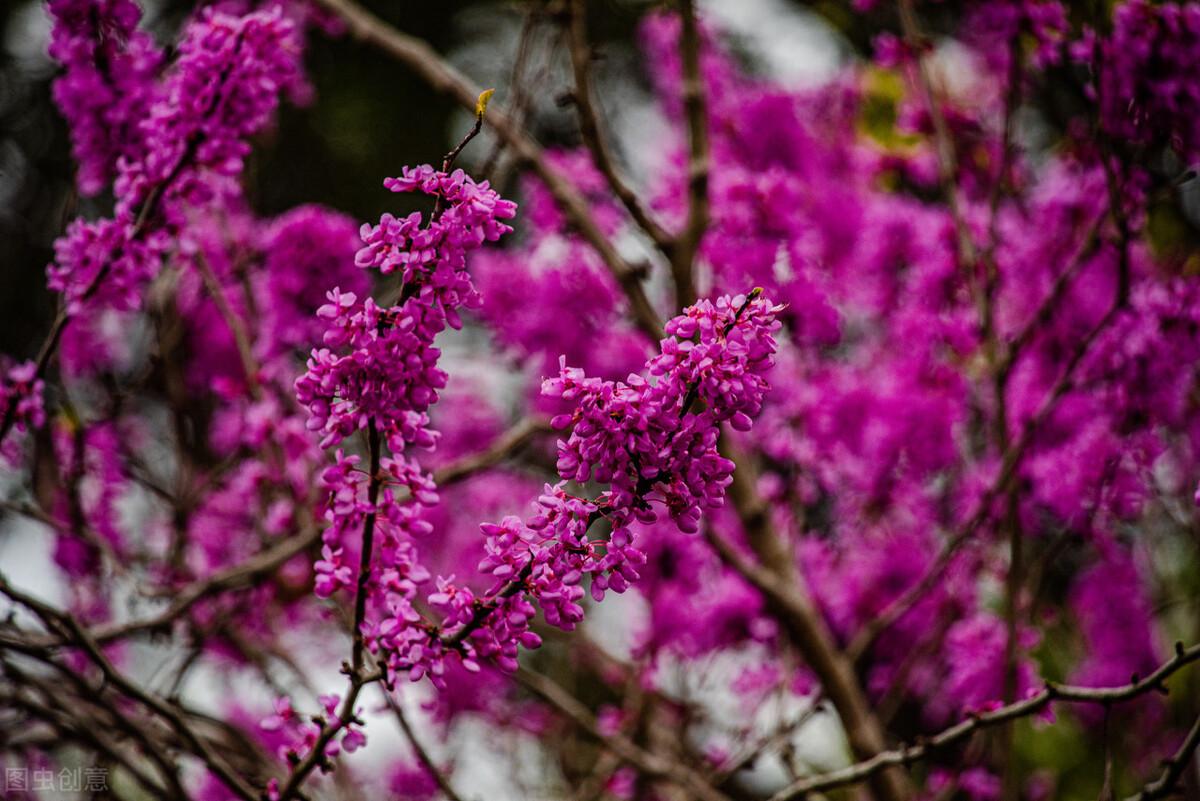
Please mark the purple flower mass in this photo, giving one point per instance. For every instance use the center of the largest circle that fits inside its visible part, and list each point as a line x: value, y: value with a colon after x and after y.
x: 838, y: 436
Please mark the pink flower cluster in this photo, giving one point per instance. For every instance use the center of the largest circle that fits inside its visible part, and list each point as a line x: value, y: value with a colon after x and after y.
x: 102, y: 264
x: 222, y: 88
x: 22, y: 401
x: 379, y: 365
x: 107, y: 85
x: 300, y: 733
x: 640, y: 434
x: 652, y: 443
x: 1143, y: 74
x: 653, y: 440
x: 379, y: 372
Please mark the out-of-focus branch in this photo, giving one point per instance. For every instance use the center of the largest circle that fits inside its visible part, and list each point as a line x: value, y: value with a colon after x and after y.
x: 1008, y: 469
x: 75, y: 633
x: 947, y: 159
x: 441, y: 76
x: 589, y: 127
x: 237, y: 576
x: 82, y: 530
x: 521, y: 97
x: 646, y: 762
x: 233, y: 322
x: 1053, y: 299
x: 1173, y: 769
x: 356, y: 670
x: 67, y: 728
x: 422, y: 755
x: 87, y: 717
x: 506, y: 445
x: 775, y: 576
x: 695, y: 109
x: 1030, y: 706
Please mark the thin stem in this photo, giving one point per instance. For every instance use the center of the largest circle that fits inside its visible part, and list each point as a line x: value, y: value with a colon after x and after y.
x: 1172, y: 773
x: 374, y: 446
x: 358, y: 678
x: 422, y: 755
x: 589, y: 128
x: 1052, y: 693
x: 695, y: 110
x: 236, y: 327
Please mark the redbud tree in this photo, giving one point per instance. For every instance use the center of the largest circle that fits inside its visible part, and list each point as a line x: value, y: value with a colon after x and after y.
x: 838, y: 438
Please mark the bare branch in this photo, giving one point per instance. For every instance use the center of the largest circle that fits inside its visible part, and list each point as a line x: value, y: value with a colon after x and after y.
x: 775, y: 576
x: 505, y: 446
x: 696, y: 111
x: 1173, y: 769
x: 646, y: 762
x: 589, y: 127
x: 422, y: 755
x: 77, y: 635
x: 1021, y: 709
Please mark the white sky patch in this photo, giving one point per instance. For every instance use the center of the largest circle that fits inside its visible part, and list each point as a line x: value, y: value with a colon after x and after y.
x: 793, y: 46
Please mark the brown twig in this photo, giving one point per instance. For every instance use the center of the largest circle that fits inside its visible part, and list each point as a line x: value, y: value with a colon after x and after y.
x: 1173, y: 768
x: 695, y: 110
x: 589, y: 128
x: 646, y: 762
x: 1021, y: 709
x: 422, y: 755
x: 241, y: 339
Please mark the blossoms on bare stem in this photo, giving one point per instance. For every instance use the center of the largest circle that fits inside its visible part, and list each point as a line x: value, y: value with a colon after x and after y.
x: 652, y: 439
x: 653, y: 442
x: 379, y: 371
x: 299, y: 734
